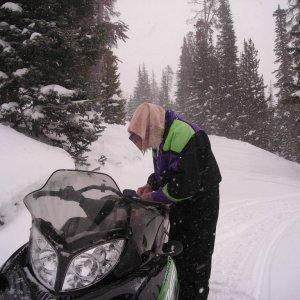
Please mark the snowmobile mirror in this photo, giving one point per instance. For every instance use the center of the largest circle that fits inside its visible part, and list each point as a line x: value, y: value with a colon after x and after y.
x: 4, y: 284
x: 172, y: 248
x: 130, y: 194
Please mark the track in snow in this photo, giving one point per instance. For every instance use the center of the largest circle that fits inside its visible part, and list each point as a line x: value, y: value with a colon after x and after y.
x: 248, y: 235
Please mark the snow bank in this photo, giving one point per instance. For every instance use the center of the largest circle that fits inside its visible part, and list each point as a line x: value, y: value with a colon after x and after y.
x: 128, y: 166
x: 25, y: 166
x: 12, y: 7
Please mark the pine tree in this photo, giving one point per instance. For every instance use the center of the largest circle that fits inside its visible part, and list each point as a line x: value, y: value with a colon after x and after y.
x: 284, y: 73
x: 185, y: 76
x: 294, y: 11
x: 202, y: 103
x: 49, y: 48
x: 154, y: 89
x: 227, y: 56
x: 270, y: 98
x: 146, y: 87
x: 112, y: 105
x: 166, y: 87
x: 294, y: 101
x: 253, y: 117
x: 135, y: 100
x: 285, y: 121
x: 142, y: 91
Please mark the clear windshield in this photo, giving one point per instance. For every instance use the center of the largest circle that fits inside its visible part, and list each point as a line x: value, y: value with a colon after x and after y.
x: 75, y: 203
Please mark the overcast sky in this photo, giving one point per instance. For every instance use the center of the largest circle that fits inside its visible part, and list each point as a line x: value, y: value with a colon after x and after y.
x: 157, y: 28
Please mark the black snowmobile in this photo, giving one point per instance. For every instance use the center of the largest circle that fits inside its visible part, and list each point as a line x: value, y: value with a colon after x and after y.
x: 90, y: 241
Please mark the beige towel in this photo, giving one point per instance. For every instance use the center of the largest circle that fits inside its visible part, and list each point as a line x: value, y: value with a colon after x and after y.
x: 148, y: 124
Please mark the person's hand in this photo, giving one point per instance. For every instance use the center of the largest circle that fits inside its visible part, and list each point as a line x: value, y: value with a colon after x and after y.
x: 147, y: 196
x: 143, y: 190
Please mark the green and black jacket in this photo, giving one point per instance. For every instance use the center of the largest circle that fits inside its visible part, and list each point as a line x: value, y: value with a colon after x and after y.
x: 184, y: 163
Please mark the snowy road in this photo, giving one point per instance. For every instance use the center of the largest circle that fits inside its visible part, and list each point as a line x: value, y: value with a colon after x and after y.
x: 258, y: 241
x: 248, y: 237
x: 257, y: 244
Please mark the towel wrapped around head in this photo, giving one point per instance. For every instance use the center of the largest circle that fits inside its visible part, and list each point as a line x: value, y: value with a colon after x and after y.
x: 147, y: 126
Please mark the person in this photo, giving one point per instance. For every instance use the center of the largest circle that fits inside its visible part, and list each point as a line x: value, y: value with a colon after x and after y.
x: 186, y: 177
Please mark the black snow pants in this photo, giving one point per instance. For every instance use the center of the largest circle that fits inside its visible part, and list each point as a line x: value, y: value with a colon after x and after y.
x: 193, y: 222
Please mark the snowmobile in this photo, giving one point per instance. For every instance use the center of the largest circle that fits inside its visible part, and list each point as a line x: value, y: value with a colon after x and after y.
x: 89, y: 240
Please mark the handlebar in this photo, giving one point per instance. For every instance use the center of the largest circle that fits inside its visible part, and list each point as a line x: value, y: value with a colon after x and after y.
x: 68, y: 193
x: 103, y: 188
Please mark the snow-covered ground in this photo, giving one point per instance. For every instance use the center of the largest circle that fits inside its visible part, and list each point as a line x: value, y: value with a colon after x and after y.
x: 25, y: 164
x: 258, y: 241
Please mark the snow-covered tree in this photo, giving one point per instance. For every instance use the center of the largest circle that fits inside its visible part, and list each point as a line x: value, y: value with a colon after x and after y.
x: 253, y: 116
x: 294, y: 13
x: 285, y: 121
x: 154, y: 89
x: 47, y: 53
x: 185, y: 75
x: 142, y: 90
x: 284, y: 73
x: 112, y: 105
x: 294, y: 101
x: 270, y: 97
x: 166, y: 87
x: 202, y: 103
x: 228, y: 60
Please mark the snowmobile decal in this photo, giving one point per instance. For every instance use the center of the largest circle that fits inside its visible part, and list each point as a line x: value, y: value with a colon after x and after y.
x: 169, y: 288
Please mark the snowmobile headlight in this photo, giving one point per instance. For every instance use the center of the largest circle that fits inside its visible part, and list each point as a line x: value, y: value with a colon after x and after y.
x: 43, y: 259
x: 89, y: 267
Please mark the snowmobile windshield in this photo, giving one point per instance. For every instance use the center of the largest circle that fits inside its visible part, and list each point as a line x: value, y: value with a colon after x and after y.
x: 78, y: 203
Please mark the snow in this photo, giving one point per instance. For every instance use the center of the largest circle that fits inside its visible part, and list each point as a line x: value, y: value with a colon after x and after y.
x: 9, y: 106
x: 60, y: 90
x: 37, y: 115
x: 20, y: 72
x: 25, y: 30
x: 296, y: 94
x: 259, y: 201
x: 257, y: 238
x: 3, y: 75
x: 12, y: 7
x: 8, y: 49
x: 128, y: 166
x: 3, y: 24
x: 4, y: 44
x: 35, y: 35
x: 34, y: 113
x: 25, y: 166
